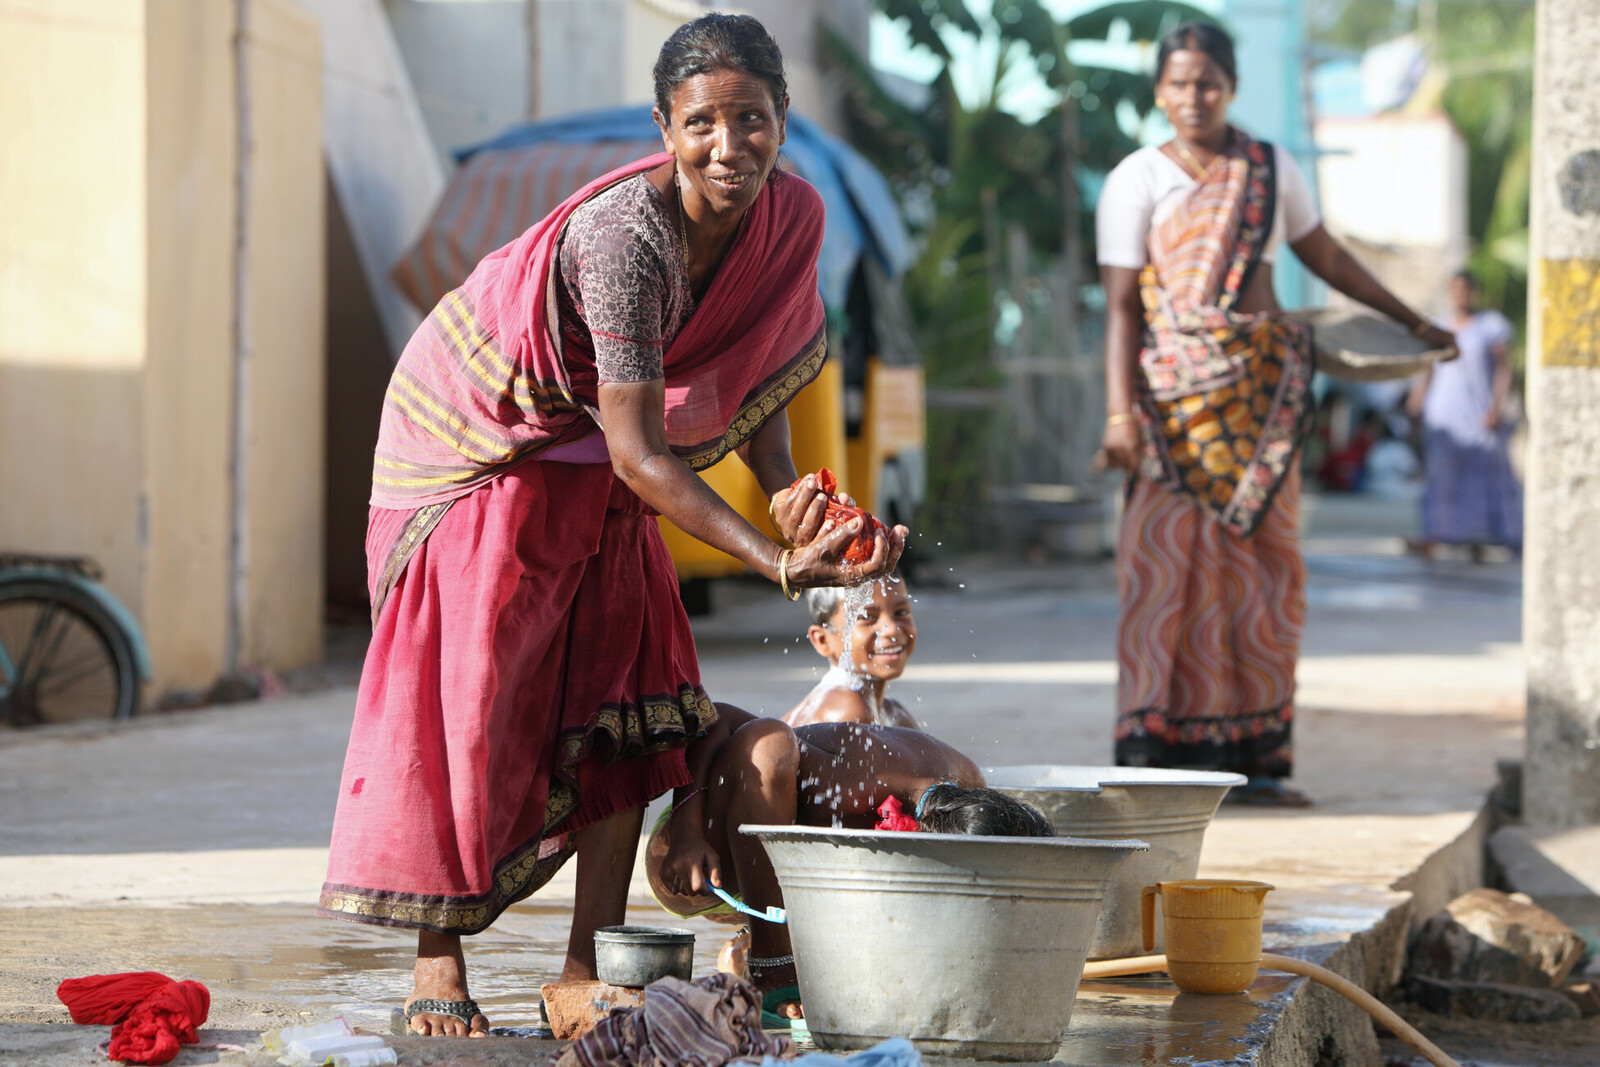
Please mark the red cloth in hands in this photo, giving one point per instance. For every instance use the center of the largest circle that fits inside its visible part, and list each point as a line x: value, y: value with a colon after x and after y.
x: 837, y: 514
x: 890, y: 817
x: 152, y: 1013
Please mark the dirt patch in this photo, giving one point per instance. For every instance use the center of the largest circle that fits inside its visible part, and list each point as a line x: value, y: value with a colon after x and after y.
x: 1479, y: 1043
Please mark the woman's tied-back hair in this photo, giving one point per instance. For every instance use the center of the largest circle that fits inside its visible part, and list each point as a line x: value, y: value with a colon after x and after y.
x: 948, y: 808
x: 1205, y: 37
x: 717, y: 41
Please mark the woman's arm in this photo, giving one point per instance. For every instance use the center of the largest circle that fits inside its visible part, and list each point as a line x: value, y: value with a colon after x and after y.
x: 1124, y: 337
x: 1332, y: 262
x: 1501, y: 387
x: 634, y: 417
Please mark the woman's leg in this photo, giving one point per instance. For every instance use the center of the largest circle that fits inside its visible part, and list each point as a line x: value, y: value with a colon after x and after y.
x: 441, y: 974
x: 606, y: 851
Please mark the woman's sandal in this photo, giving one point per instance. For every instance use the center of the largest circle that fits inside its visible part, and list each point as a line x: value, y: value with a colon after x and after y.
x: 771, y: 1020
x: 465, y: 1010
x: 1267, y: 793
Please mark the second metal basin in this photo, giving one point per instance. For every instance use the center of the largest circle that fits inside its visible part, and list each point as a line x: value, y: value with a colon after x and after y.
x: 1167, y: 808
x: 969, y: 946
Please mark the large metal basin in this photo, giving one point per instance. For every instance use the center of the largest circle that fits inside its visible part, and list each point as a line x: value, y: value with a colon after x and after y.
x: 1169, y: 809
x: 969, y: 946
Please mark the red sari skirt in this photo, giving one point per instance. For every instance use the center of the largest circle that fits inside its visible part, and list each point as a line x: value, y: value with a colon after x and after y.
x: 531, y: 672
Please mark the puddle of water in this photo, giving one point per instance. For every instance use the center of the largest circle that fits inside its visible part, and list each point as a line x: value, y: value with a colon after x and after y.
x: 259, y: 960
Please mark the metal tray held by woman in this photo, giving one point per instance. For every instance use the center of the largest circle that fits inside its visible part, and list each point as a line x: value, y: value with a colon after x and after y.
x: 1357, y: 346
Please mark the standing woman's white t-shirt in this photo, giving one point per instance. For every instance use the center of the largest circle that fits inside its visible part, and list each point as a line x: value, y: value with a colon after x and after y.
x: 1147, y: 186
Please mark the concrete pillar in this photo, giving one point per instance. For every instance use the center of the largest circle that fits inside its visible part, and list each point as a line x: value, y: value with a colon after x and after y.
x: 1561, y: 623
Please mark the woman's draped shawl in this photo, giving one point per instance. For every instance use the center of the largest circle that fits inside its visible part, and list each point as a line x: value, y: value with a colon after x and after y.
x: 487, y: 380
x: 1226, y: 396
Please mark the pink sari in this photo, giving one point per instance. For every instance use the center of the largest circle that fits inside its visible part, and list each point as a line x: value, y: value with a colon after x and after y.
x: 531, y: 668
x: 1209, y: 571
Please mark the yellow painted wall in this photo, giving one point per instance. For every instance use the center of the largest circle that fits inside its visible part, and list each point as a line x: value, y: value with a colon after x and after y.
x: 191, y: 145
x: 118, y: 223
x: 285, y: 267
x: 72, y: 281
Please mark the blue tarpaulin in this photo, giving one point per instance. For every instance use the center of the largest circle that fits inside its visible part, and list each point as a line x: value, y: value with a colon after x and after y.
x: 508, y: 183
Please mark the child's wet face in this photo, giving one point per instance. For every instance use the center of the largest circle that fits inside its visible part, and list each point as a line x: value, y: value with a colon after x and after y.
x: 882, y: 635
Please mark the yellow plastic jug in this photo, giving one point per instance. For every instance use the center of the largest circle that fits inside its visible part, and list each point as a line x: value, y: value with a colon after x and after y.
x: 1212, y: 928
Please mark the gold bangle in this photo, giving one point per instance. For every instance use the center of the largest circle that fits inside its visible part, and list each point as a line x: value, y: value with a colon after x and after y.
x: 783, y: 574
x: 1118, y: 420
x: 1420, y: 328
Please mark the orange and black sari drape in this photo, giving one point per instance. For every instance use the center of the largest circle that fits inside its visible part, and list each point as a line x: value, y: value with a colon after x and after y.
x: 1210, y: 576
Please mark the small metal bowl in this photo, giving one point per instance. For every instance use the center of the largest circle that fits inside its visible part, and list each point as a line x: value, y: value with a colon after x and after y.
x: 635, y: 956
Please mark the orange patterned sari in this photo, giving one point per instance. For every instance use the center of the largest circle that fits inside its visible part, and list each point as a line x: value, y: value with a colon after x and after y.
x: 1209, y: 571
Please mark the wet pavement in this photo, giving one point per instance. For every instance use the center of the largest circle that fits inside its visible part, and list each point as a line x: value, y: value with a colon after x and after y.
x: 194, y: 844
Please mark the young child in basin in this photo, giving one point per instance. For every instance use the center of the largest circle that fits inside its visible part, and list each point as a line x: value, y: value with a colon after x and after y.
x: 867, y: 646
x: 821, y: 774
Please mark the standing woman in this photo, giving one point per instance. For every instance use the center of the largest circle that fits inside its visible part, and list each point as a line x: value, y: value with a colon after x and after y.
x: 532, y: 680
x: 1207, y: 397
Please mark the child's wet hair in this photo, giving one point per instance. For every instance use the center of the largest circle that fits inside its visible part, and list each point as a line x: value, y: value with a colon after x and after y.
x: 823, y: 601
x: 948, y: 808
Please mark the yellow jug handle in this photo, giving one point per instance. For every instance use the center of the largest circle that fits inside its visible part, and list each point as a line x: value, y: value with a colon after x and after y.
x: 1147, y: 915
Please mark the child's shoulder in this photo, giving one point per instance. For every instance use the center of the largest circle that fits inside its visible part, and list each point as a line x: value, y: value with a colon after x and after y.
x: 834, y: 704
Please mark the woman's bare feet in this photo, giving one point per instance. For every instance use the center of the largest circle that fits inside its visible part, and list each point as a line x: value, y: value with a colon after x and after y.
x: 441, y: 974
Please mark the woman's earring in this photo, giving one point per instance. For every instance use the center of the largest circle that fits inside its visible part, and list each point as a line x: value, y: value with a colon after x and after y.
x: 1161, y: 103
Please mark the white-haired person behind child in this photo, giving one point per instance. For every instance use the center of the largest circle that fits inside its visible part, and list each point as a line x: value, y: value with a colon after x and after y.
x: 867, y: 645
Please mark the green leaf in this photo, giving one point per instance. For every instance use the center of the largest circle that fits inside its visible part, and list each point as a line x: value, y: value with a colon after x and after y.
x: 1147, y: 19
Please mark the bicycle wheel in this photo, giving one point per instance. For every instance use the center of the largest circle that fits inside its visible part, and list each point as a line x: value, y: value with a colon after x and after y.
x: 68, y: 660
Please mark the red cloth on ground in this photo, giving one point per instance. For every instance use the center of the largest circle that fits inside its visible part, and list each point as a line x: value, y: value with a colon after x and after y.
x: 531, y: 672
x: 838, y: 514
x: 152, y: 1014
x: 890, y: 817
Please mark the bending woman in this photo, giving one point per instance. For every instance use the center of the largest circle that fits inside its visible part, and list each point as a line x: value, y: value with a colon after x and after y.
x: 532, y: 679
x: 1207, y: 398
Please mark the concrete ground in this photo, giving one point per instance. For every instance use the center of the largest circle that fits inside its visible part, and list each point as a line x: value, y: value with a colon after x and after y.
x: 194, y: 843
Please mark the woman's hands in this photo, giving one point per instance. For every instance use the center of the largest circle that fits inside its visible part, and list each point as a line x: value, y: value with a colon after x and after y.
x: 1435, y: 338
x: 799, y: 513
x: 1120, y: 445
x: 691, y: 865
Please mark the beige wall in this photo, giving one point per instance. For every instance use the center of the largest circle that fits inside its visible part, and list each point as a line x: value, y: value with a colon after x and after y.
x: 285, y: 264
x: 118, y: 223
x: 72, y: 281
x: 191, y: 146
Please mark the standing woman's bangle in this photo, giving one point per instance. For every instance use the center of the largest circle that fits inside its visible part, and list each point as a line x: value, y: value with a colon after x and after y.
x: 1118, y: 420
x: 783, y: 574
x: 1421, y: 328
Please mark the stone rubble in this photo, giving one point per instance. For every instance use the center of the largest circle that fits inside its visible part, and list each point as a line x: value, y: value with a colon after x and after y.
x: 1485, y: 936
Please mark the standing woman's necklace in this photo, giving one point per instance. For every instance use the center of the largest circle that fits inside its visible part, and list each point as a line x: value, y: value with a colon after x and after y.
x: 1190, y: 161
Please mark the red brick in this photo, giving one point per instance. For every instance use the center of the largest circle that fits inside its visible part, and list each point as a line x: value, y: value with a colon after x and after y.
x: 572, y: 1008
